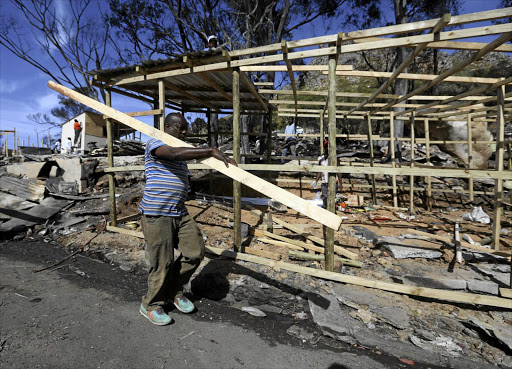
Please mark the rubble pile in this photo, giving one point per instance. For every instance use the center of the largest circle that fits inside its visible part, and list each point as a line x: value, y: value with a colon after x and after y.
x: 63, y: 199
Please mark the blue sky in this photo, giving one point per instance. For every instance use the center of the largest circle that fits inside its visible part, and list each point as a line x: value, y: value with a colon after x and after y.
x: 23, y: 87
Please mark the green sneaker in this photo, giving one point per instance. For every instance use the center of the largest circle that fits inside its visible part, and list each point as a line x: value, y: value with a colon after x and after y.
x: 157, y: 316
x: 183, y: 304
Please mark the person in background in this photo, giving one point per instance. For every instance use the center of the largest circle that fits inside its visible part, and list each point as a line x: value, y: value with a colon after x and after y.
x: 57, y: 146
x: 166, y: 223
x: 211, y: 43
x: 290, y: 141
x: 78, y: 130
x: 69, y: 146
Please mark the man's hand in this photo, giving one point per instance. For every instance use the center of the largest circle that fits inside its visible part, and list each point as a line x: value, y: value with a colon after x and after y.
x: 217, y: 154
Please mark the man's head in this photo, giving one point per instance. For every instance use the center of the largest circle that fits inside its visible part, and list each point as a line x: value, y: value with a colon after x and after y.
x: 212, y: 41
x: 290, y: 121
x: 175, y: 125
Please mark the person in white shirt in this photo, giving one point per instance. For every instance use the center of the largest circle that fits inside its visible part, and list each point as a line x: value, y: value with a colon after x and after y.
x: 290, y: 142
x: 69, y: 146
x: 57, y: 146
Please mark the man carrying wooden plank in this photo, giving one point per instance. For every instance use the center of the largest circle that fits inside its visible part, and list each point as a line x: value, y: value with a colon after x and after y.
x: 166, y: 223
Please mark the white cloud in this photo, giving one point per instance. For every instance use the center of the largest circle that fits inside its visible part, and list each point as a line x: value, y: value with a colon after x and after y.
x: 7, y: 87
x: 47, y: 102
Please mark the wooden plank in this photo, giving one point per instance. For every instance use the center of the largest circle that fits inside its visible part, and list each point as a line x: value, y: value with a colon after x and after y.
x: 337, y: 249
x: 181, y: 91
x: 470, y: 155
x: 438, y: 294
x: 302, y: 206
x: 411, y: 178
x: 457, y: 67
x: 426, y: 127
x: 127, y: 232
x: 204, y: 76
x: 237, y: 186
x: 506, y: 292
x: 262, y: 253
x: 141, y: 113
x: 279, y: 243
x: 463, y: 243
x: 430, y: 108
x: 307, y: 256
x: 498, y: 195
x: 248, y: 83
x: 417, y: 76
x: 405, y: 63
x: 110, y: 163
x: 304, y: 245
x: 284, y: 49
x: 295, y: 68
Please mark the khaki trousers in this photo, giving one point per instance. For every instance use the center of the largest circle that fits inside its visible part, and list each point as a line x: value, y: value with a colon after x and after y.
x: 167, y: 272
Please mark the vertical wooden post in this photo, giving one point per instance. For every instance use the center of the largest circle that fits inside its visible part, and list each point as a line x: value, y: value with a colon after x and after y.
x: 470, y: 157
x: 498, y: 194
x: 411, y: 181
x: 49, y: 140
x: 331, y: 187
x: 6, y: 148
x: 392, y: 148
x: 429, y: 179
x: 237, y: 186
x: 18, y: 143
x: 161, y: 103
x: 372, y: 159
x: 110, y: 162
x: 209, y: 128
x: 269, y: 137
x: 322, y: 130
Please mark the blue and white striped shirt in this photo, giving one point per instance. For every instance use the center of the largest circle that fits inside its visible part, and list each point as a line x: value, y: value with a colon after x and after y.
x: 166, y: 187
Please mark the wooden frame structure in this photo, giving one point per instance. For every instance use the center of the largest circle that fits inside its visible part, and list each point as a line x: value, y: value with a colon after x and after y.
x: 220, y: 82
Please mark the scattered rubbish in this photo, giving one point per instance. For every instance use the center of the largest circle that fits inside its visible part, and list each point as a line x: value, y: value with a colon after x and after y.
x: 407, y: 361
x: 405, y: 217
x: 379, y: 218
x: 187, y: 335
x: 253, y: 311
x: 79, y: 272
x: 300, y: 315
x: 467, y: 238
x: 355, y: 200
x: 441, y: 341
x: 477, y: 215
x: 277, y: 206
x: 68, y: 188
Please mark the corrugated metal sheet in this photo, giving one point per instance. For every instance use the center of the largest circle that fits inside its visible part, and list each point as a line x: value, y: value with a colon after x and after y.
x: 192, y: 83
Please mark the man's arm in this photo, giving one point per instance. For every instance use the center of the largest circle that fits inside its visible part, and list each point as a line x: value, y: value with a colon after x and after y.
x: 190, y: 153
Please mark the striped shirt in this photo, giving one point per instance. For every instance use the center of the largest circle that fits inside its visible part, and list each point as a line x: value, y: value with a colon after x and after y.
x: 166, y: 184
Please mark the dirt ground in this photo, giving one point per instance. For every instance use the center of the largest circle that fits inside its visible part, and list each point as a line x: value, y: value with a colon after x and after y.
x: 84, y: 314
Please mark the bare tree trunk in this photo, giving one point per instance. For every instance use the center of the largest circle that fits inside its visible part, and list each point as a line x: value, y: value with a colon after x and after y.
x: 401, y: 85
x: 214, y: 124
x: 245, y: 127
